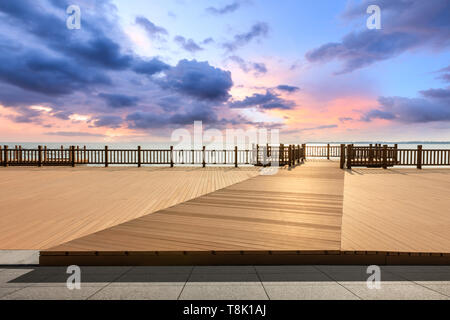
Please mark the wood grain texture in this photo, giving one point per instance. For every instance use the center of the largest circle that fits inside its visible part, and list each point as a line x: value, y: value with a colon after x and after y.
x: 298, y: 209
x: 397, y: 210
x: 43, y: 207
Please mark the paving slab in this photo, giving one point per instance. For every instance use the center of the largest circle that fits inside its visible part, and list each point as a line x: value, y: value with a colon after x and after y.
x: 143, y: 292
x: 224, y: 291
x: 309, y: 291
x: 394, y: 291
x: 19, y: 257
x: 51, y: 293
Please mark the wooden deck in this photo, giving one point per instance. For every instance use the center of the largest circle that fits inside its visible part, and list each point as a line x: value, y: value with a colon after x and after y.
x: 314, y: 213
x: 397, y: 210
x: 299, y: 209
x: 44, y: 207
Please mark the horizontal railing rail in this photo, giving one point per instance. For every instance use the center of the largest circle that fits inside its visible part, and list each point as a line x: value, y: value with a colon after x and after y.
x: 258, y: 155
x: 388, y: 156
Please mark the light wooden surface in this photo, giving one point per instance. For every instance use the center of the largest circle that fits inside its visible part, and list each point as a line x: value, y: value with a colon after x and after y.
x: 400, y: 210
x: 298, y: 209
x: 43, y: 207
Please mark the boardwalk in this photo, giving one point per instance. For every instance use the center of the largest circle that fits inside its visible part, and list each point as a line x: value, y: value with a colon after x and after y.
x: 404, y: 210
x: 312, y: 213
x: 44, y: 207
x: 293, y: 210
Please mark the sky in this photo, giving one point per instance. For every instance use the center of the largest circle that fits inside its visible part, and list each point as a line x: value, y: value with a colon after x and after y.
x: 139, y: 70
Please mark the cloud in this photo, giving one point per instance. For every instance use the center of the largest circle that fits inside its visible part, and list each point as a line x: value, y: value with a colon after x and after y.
x: 361, y: 49
x: 74, y: 134
x: 198, y: 79
x: 188, y: 45
x: 436, y: 93
x: 406, y: 25
x: 434, y: 107
x: 119, y: 100
x: 148, y: 120
x: 258, y: 30
x: 258, y: 68
x: 323, y: 127
x: 208, y: 40
x: 445, y: 74
x: 224, y: 10
x: 267, y: 101
x: 287, y: 88
x: 152, y: 30
x: 149, y: 67
x: 35, y: 71
x: 109, y: 121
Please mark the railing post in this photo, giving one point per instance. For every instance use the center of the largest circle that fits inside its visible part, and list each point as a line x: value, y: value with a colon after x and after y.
x: 290, y: 155
x: 106, y: 156
x: 39, y: 156
x: 257, y: 154
x: 304, y: 151
x: 171, y: 157
x: 328, y: 151
x: 385, y: 151
x: 342, y: 156
x: 72, y: 155
x: 419, y: 157
x: 139, y: 159
x: 5, y: 164
x: 235, y: 156
x: 281, y: 155
x: 204, y: 157
x: 349, y: 156
x: 395, y: 153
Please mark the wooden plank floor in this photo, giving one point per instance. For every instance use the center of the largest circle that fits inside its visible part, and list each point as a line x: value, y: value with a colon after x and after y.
x: 397, y: 210
x: 298, y: 209
x: 44, y: 207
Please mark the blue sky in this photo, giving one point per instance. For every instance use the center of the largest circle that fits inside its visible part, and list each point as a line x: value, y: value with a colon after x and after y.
x: 137, y: 70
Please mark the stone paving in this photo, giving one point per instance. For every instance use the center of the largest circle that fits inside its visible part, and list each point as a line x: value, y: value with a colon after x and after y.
x: 226, y: 282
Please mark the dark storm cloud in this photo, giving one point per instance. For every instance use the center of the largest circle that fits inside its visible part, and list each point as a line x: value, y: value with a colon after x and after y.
x: 258, y: 30
x: 119, y: 100
x: 187, y: 44
x: 198, y: 79
x: 406, y: 25
x: 269, y: 100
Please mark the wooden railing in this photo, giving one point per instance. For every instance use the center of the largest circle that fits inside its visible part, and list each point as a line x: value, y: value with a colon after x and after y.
x: 386, y: 156
x: 259, y: 156
x: 327, y: 151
